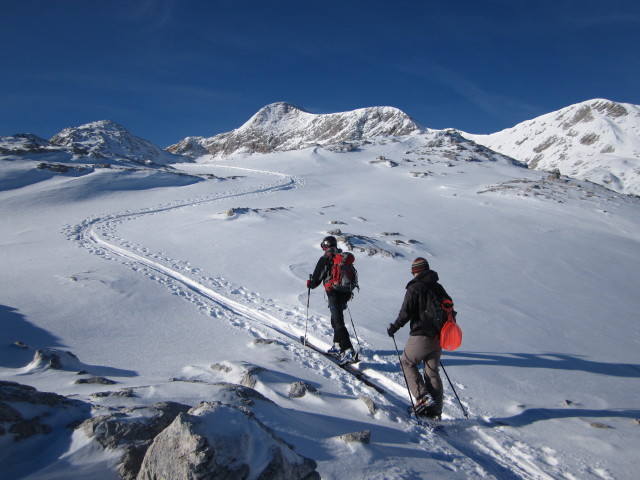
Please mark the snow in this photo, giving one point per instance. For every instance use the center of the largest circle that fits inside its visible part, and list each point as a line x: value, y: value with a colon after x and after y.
x: 145, y: 278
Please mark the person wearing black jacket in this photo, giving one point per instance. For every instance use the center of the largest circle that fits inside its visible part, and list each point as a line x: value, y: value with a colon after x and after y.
x: 423, y: 344
x: 342, y: 346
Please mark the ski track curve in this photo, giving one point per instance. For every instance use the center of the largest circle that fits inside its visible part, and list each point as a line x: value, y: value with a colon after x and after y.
x: 492, y: 454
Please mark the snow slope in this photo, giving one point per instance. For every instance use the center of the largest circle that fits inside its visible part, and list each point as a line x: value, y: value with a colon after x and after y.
x: 150, y: 278
x: 596, y: 140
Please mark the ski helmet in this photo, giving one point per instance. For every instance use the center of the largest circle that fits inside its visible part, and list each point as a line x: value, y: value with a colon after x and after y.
x: 329, y: 242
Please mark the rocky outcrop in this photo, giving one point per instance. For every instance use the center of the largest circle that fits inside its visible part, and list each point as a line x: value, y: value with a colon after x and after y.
x: 220, y: 439
x: 214, y: 441
x: 132, y: 430
x: 43, y: 408
x: 300, y: 389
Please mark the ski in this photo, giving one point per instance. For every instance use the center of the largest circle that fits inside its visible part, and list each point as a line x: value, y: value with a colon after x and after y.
x: 364, y: 378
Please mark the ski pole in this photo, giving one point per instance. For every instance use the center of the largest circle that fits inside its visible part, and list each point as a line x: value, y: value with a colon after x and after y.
x: 413, y: 407
x: 354, y: 329
x: 307, y: 319
x: 454, y: 390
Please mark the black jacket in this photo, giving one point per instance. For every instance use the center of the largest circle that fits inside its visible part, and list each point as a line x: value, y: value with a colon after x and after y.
x: 322, y: 273
x: 323, y: 268
x: 415, y: 304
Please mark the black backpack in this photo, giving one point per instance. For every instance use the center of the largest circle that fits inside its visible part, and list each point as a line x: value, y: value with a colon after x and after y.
x: 436, y: 311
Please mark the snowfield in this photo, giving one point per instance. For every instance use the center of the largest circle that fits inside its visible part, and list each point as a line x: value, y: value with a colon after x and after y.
x: 170, y: 282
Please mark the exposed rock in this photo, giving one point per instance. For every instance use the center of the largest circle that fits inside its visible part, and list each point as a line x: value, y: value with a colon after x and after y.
x: 300, y: 389
x: 132, y: 429
x: 132, y: 425
x: 54, y: 358
x: 95, y: 381
x: 600, y: 425
x: 216, y: 441
x: 8, y: 413
x: 370, y: 405
x: 264, y: 341
x: 363, y: 244
x: 220, y: 367
x: 16, y: 392
x: 249, y: 377
x: 28, y: 428
x: 239, y: 395
x: 123, y: 393
x: 58, y: 410
x: 357, y: 437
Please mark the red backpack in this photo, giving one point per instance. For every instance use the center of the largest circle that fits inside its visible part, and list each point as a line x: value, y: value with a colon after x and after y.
x: 343, y: 276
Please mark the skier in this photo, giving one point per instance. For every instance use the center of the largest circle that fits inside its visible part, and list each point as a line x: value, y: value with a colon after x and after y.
x: 342, y: 347
x: 423, y: 344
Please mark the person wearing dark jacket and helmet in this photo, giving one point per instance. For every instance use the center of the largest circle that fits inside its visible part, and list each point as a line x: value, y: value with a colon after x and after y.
x: 342, y: 347
x: 423, y: 344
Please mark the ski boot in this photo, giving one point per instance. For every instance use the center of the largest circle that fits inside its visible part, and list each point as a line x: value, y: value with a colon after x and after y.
x: 421, y: 404
x: 348, y: 356
x: 335, y: 351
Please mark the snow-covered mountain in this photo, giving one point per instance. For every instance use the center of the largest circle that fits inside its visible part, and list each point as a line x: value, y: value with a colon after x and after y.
x: 597, y: 140
x: 283, y: 126
x: 25, y: 143
x: 107, y: 141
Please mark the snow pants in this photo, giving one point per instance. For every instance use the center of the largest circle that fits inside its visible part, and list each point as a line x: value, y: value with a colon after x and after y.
x: 421, y: 349
x: 337, y: 306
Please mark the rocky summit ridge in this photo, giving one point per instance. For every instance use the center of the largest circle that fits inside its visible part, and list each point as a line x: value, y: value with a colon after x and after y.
x: 283, y: 126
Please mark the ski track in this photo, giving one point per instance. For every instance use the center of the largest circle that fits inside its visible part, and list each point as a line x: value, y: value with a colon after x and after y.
x: 490, y: 450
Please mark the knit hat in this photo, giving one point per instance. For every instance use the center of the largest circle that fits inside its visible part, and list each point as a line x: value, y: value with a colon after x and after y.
x: 419, y: 264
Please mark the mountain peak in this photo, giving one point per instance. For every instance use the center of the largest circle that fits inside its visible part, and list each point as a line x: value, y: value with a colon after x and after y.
x: 596, y: 140
x: 108, y: 139
x: 284, y: 126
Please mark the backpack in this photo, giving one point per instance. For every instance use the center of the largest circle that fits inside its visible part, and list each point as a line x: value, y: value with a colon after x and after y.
x: 437, y: 314
x: 343, y: 276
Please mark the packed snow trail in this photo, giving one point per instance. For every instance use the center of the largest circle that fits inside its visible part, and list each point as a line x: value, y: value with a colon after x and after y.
x: 495, y: 454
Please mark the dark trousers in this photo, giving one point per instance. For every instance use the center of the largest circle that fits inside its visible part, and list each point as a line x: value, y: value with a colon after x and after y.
x: 337, y: 306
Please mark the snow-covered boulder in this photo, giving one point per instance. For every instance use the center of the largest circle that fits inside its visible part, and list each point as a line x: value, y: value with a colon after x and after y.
x: 215, y: 440
x: 132, y: 430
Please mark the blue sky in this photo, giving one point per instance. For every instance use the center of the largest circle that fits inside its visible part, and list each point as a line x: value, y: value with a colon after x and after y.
x: 167, y: 69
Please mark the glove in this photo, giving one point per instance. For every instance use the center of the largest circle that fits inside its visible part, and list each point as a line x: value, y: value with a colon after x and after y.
x: 308, y: 283
x: 392, y: 329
